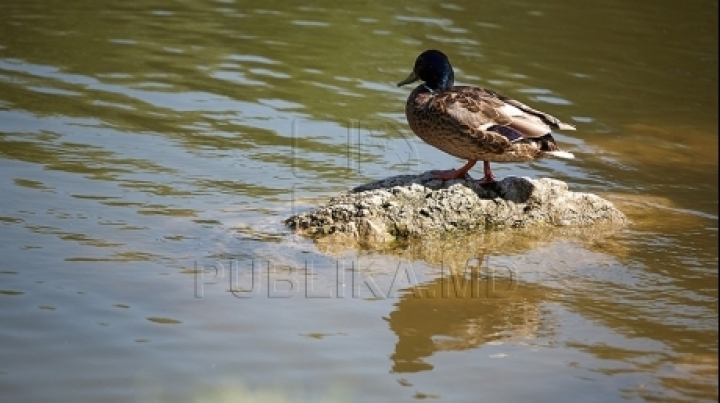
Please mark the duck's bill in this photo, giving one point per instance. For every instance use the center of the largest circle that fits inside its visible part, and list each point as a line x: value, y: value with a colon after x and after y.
x: 410, y: 79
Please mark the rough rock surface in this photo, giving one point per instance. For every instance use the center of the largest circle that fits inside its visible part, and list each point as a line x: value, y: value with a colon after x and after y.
x: 414, y: 205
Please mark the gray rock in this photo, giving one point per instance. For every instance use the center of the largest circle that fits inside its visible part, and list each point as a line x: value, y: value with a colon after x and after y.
x: 408, y: 206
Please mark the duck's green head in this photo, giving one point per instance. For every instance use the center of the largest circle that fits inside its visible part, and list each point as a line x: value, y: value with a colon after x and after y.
x: 432, y: 67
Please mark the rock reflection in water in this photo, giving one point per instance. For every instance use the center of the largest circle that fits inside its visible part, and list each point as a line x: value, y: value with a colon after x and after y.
x: 485, y: 288
x: 460, y: 312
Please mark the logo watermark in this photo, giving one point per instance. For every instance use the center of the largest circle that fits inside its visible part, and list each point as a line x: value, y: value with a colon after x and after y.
x: 362, y: 141
x: 347, y: 279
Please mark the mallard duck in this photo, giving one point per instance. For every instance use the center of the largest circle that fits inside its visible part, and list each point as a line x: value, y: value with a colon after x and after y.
x: 475, y: 123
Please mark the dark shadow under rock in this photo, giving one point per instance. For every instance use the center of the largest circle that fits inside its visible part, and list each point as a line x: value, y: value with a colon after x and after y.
x: 416, y: 205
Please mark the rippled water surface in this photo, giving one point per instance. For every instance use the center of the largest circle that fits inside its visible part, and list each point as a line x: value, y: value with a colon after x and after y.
x: 151, y: 150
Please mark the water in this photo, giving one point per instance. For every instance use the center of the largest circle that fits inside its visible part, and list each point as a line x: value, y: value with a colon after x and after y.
x: 151, y: 150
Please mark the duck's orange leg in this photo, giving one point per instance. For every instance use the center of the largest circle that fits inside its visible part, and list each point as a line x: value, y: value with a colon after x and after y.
x: 489, y: 178
x: 456, y: 173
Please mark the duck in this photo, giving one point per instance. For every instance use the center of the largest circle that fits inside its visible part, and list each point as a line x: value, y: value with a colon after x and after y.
x: 473, y: 123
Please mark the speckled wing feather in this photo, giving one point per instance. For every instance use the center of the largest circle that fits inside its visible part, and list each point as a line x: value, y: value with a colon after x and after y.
x: 472, y: 112
x: 549, y: 120
x: 489, y: 111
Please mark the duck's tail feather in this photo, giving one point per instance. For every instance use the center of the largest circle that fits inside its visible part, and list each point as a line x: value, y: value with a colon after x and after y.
x: 565, y: 126
x: 561, y: 154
